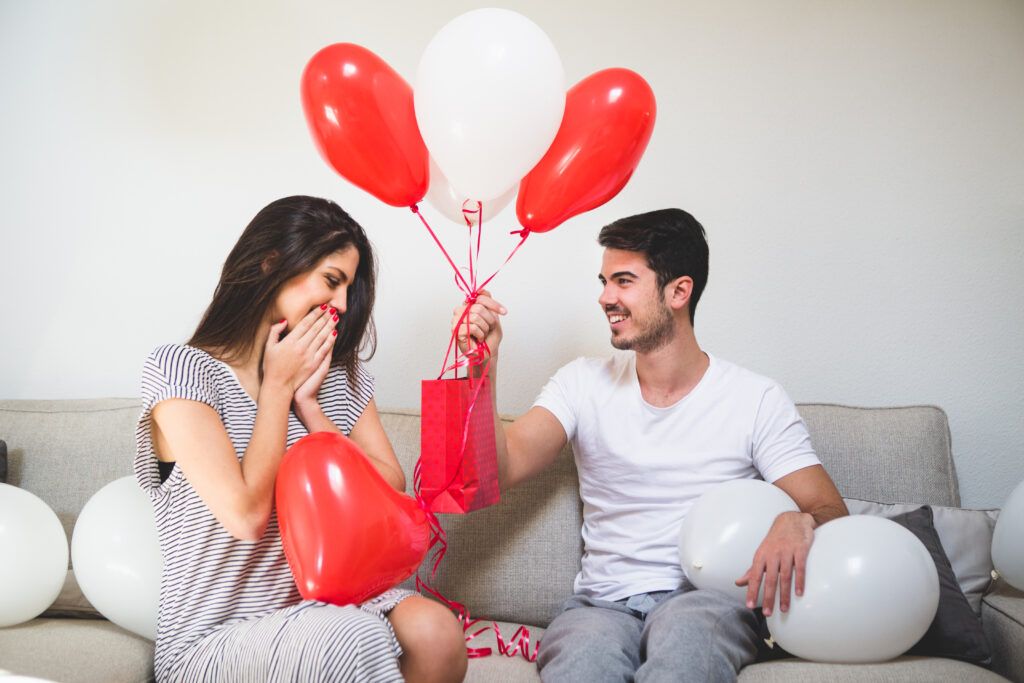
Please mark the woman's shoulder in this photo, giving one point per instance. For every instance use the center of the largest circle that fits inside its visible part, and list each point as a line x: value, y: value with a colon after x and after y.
x: 180, y: 363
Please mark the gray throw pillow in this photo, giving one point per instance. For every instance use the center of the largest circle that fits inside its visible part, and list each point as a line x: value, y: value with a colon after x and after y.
x: 956, y: 631
x: 966, y: 537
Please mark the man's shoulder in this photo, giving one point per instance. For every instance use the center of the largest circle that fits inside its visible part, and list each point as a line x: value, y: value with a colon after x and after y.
x: 737, y: 377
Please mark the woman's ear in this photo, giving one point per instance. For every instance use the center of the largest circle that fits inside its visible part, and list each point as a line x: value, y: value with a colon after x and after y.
x: 269, y: 262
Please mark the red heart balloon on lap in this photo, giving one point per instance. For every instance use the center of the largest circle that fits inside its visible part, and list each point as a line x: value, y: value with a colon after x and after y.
x: 347, y: 534
x: 608, y: 121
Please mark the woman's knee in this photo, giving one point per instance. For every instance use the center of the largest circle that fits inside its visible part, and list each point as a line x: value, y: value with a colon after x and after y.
x: 432, y: 640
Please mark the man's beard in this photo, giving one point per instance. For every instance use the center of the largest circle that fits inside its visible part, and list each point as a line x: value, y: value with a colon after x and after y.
x: 655, y: 335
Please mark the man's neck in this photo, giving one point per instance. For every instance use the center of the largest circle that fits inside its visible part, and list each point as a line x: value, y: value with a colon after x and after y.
x: 670, y: 373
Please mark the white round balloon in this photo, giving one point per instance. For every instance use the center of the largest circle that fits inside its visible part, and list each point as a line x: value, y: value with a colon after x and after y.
x: 34, y: 552
x: 871, y: 592
x: 489, y: 99
x: 446, y: 199
x: 723, y: 530
x: 1008, y: 539
x: 115, y: 553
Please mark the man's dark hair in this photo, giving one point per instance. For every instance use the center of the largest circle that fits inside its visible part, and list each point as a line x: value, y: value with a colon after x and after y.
x: 673, y: 242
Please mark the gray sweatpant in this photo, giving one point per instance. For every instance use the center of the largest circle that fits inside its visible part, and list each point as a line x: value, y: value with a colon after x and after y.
x: 682, y: 635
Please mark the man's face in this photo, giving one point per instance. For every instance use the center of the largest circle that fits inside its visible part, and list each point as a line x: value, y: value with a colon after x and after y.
x: 637, y: 313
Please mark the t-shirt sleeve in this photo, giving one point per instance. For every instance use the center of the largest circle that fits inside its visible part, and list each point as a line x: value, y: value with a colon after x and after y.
x: 781, y: 443
x: 344, y: 402
x: 170, y: 371
x: 561, y: 396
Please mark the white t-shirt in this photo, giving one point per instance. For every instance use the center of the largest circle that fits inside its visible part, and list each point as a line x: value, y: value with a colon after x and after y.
x: 642, y: 467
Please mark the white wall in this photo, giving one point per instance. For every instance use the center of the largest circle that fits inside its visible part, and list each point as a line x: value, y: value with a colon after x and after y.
x: 859, y: 167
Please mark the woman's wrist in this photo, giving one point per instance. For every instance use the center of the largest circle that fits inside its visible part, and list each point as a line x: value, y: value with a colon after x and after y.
x: 306, y: 409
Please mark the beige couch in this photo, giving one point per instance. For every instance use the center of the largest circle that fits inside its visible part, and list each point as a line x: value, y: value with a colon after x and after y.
x: 514, y: 562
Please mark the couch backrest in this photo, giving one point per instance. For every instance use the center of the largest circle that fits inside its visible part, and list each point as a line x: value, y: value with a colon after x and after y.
x: 517, y: 560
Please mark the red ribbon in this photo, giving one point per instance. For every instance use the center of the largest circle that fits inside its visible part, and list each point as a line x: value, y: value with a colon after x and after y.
x: 477, y: 356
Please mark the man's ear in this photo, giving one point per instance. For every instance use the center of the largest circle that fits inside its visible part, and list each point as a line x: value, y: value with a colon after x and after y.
x: 269, y: 262
x: 678, y: 291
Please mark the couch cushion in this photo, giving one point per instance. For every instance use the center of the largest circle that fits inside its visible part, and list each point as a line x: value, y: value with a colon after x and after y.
x: 1002, y: 614
x: 516, y: 560
x: 498, y: 668
x: 894, y: 455
x: 76, y: 651
x: 64, y: 451
x: 901, y: 670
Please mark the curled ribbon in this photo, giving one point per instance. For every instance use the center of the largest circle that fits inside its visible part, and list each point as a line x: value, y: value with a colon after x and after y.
x: 476, y: 356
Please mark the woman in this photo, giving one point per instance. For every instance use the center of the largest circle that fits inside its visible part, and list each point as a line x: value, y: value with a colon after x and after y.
x: 275, y: 357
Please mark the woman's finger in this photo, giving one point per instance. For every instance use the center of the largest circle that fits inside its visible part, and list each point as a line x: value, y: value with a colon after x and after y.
x: 276, y: 330
x: 310, y: 319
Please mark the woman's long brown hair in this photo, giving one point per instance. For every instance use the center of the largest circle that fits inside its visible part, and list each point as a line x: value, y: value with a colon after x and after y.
x: 285, y: 239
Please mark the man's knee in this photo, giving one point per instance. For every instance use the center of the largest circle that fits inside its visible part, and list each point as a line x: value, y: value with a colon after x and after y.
x: 590, y: 643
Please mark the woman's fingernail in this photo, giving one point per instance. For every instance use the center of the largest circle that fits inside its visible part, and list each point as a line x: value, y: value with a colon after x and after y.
x: 333, y: 311
x: 335, y: 318
x: 334, y: 333
x: 282, y: 320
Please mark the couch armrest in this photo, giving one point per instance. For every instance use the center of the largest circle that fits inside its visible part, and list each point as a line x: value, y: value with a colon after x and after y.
x: 1002, y: 616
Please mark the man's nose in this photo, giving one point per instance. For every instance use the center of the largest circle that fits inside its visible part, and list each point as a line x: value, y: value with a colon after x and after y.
x: 606, y: 299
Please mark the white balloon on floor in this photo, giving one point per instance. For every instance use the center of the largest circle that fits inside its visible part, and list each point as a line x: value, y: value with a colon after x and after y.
x: 33, y: 556
x: 871, y: 592
x: 116, y: 556
x: 723, y: 530
x: 1008, y: 539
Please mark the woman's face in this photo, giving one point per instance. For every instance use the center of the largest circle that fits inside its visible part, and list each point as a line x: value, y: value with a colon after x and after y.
x: 327, y: 283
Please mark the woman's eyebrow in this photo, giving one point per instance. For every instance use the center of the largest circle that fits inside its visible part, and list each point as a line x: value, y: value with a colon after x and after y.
x: 343, y: 276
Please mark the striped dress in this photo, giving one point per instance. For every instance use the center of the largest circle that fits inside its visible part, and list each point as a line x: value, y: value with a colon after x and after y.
x: 229, y: 609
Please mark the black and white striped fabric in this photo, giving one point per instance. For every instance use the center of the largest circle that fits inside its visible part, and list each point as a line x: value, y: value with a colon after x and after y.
x: 229, y: 609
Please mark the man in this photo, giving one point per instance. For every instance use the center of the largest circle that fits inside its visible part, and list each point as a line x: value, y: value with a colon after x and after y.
x: 651, y: 432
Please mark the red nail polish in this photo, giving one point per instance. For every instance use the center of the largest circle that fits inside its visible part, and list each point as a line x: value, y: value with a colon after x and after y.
x: 333, y: 311
x: 334, y: 333
x: 323, y: 307
x: 281, y: 320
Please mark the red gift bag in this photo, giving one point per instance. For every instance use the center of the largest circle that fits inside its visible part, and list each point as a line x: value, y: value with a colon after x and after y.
x: 458, y: 458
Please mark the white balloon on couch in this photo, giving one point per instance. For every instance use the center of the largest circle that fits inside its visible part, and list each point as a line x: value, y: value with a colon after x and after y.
x: 489, y: 98
x: 33, y: 556
x: 1008, y: 539
x: 870, y: 594
x: 115, y: 553
x: 723, y: 530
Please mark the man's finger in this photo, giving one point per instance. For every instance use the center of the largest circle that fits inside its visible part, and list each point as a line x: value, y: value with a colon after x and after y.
x: 771, y: 583
x: 755, y: 583
x: 785, y: 581
x: 801, y: 571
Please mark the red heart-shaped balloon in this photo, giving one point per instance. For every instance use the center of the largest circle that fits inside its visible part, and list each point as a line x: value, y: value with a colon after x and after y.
x: 347, y: 534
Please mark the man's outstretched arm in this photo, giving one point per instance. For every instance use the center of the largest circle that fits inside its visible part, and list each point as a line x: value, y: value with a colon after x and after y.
x: 529, y: 445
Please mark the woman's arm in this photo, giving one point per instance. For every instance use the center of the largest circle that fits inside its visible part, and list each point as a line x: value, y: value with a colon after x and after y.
x: 239, y: 494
